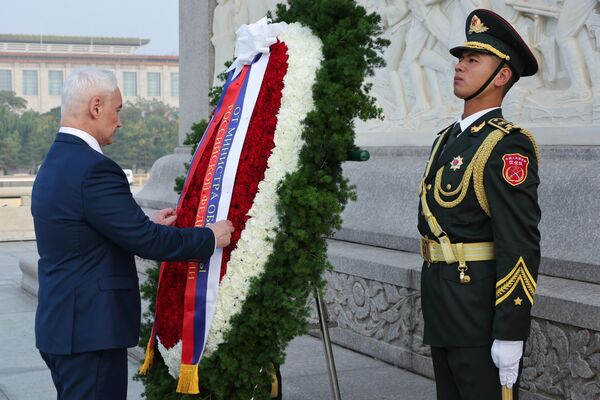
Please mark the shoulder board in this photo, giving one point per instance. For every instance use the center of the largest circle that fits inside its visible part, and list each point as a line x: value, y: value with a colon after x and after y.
x: 508, y: 127
x: 504, y: 125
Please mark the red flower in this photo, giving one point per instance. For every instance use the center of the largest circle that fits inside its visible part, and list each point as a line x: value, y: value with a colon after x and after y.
x: 257, y: 149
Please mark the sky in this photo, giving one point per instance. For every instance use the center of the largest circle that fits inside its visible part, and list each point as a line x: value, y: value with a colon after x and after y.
x: 157, y: 20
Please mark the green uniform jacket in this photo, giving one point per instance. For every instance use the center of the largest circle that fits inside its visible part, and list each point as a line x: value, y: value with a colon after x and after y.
x: 499, y: 205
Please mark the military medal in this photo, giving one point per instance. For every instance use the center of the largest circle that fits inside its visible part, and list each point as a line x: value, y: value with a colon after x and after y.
x: 456, y: 163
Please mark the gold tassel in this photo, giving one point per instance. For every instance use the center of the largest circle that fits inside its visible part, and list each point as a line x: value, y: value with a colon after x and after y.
x: 188, y: 379
x: 274, y: 382
x: 148, y: 359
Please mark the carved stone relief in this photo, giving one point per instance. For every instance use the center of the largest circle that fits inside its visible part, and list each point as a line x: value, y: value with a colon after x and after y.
x: 377, y: 310
x: 560, y: 362
x: 228, y: 16
x: 415, y: 88
x: 562, y: 33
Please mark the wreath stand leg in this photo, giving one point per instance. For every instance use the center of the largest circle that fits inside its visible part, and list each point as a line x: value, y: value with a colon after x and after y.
x: 333, y: 379
x: 355, y: 154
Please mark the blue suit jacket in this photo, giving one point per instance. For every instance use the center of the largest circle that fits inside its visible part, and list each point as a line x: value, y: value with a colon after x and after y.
x: 88, y: 228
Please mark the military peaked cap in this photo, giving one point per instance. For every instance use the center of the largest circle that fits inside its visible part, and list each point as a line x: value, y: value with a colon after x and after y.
x: 490, y: 33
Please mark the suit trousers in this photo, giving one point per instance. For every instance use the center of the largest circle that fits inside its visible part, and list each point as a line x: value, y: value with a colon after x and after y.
x: 95, y: 375
x: 467, y: 373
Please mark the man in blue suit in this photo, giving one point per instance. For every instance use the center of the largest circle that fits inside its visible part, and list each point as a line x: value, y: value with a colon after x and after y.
x: 88, y: 229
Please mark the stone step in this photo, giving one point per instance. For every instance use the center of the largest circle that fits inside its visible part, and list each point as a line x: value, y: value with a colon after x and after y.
x: 565, y: 301
x: 373, y: 294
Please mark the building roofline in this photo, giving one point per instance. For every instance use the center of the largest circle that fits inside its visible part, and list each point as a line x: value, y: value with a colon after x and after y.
x: 115, y: 41
x: 86, y: 58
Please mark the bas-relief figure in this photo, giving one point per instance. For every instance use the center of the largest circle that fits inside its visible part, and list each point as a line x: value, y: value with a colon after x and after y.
x: 228, y: 16
x: 560, y: 361
x: 415, y: 88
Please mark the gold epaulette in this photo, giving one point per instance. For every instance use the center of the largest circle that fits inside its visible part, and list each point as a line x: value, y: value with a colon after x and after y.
x: 508, y: 127
x: 504, y: 125
x: 477, y: 165
x: 503, y: 128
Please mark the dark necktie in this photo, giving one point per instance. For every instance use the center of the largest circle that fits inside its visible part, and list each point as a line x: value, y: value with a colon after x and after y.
x: 452, y: 135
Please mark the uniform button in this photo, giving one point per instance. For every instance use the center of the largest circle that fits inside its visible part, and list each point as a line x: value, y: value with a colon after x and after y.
x: 448, y: 186
x: 429, y: 186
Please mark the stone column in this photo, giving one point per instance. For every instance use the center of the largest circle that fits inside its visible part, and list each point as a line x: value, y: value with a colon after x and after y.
x: 196, y: 60
x: 196, y: 55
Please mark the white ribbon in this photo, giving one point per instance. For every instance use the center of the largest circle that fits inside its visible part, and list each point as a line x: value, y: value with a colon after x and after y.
x: 254, y: 39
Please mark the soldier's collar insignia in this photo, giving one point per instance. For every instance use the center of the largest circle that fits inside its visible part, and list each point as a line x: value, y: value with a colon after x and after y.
x: 475, y: 129
x: 456, y: 163
x: 477, y: 26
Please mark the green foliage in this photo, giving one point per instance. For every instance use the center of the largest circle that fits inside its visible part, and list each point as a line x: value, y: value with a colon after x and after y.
x: 310, y: 204
x: 25, y: 136
x: 150, y: 130
x: 12, y: 101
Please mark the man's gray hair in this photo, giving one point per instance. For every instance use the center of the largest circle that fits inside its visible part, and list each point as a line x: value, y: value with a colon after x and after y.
x: 84, y: 83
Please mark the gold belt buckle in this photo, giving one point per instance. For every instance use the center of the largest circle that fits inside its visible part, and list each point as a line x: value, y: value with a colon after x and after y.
x: 425, y: 250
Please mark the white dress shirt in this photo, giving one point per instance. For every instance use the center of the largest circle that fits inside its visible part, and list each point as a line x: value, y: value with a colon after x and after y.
x: 89, y: 139
x: 465, y: 123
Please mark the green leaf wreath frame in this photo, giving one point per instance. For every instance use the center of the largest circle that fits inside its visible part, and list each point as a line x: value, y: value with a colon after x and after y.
x: 311, y: 201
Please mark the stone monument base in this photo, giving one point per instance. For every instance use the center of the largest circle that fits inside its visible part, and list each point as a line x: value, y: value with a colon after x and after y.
x: 373, y: 291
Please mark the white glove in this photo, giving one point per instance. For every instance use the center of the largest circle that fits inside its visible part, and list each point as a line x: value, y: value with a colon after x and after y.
x: 506, y: 354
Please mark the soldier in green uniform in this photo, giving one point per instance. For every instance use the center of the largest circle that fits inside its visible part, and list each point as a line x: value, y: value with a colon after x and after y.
x: 478, y: 217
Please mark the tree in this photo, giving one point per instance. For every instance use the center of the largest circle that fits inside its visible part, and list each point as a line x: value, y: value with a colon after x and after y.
x: 12, y: 101
x: 150, y: 131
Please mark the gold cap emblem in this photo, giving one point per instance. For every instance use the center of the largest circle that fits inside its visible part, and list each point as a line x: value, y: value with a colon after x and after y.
x: 477, y: 26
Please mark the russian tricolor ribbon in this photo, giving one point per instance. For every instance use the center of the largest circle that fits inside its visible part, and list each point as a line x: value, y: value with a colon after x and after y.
x: 228, y: 126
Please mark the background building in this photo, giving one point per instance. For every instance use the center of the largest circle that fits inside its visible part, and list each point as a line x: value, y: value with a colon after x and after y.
x: 34, y: 67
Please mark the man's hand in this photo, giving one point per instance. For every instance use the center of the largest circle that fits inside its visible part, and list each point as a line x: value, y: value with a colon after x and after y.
x: 165, y: 216
x: 506, y: 354
x: 222, y: 230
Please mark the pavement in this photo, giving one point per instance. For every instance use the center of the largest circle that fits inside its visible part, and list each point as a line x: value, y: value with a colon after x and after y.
x: 24, y: 375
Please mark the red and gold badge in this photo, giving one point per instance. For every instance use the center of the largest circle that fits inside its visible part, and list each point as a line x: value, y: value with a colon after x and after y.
x: 477, y: 26
x: 515, y: 168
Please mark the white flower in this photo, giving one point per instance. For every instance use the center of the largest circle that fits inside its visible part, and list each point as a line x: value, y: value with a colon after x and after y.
x: 255, y: 245
x: 171, y: 357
